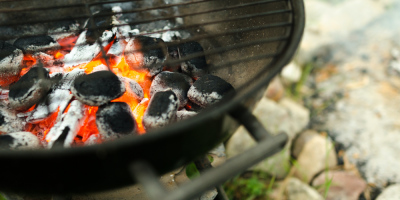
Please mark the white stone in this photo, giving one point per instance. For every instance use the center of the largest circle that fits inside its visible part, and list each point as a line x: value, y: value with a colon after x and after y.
x: 291, y: 73
x: 297, y: 190
x: 391, y: 192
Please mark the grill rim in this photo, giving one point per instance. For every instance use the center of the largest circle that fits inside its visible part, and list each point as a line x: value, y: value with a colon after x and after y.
x: 220, y: 110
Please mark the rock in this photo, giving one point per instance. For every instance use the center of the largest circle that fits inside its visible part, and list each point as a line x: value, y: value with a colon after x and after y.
x: 316, y: 155
x: 391, y: 192
x: 287, y: 116
x: 275, y: 90
x: 291, y: 73
x: 297, y: 190
x: 301, y: 140
x: 344, y: 185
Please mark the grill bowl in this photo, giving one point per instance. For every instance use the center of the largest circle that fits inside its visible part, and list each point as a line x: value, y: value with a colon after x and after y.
x: 246, y: 43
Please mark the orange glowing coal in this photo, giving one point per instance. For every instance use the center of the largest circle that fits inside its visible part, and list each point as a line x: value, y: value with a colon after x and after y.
x: 88, y: 126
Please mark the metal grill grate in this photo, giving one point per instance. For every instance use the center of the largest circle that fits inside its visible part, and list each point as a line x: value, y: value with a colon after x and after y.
x: 222, y: 46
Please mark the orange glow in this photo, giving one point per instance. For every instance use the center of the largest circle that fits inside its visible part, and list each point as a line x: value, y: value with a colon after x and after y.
x: 138, y: 114
x: 43, y: 126
x: 88, y: 126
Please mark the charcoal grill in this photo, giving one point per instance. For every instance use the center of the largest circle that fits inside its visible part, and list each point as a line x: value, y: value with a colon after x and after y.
x: 246, y: 43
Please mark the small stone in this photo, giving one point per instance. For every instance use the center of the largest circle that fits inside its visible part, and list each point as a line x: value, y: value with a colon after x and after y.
x: 302, y: 140
x: 297, y: 190
x: 391, y: 192
x: 291, y: 73
x: 344, y: 185
x: 316, y: 155
x: 275, y: 90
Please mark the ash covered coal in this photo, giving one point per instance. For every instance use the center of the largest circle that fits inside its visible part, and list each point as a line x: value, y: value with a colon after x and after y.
x: 9, y: 122
x: 70, y: 27
x: 209, y: 89
x: 19, y: 141
x: 177, y: 82
x: 84, y: 52
x: 29, y: 89
x: 67, y: 79
x: 97, y: 88
x: 161, y: 110
x: 115, y: 120
x: 103, y: 20
x: 195, y: 67
x: 140, y: 58
x: 65, y: 130
x: 190, y: 106
x: 10, y: 63
x: 184, y: 114
x: 36, y: 43
x: 133, y: 88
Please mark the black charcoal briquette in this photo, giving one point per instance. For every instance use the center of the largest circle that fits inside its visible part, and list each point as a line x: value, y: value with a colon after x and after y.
x: 195, y: 67
x: 97, y: 88
x: 161, y: 110
x: 10, y: 63
x: 209, y: 89
x: 19, y: 140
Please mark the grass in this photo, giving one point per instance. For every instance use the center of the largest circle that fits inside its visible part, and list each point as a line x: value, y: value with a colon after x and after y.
x: 2, y: 198
x: 258, y: 186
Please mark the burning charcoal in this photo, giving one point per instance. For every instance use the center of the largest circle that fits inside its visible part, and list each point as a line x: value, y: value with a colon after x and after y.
x: 133, y: 88
x: 116, y: 50
x: 195, y: 67
x: 208, y: 90
x: 84, y: 52
x: 29, y: 89
x: 190, y: 106
x: 177, y: 82
x: 57, y: 99
x: 36, y: 43
x: 67, y: 26
x: 9, y: 122
x: 151, y: 59
x: 19, y: 140
x: 100, y: 68
x: 184, y: 114
x: 68, y: 79
x: 10, y: 63
x: 93, y: 139
x: 63, y: 133
x: 97, y: 88
x: 161, y: 111
x: 115, y: 120
x: 103, y: 20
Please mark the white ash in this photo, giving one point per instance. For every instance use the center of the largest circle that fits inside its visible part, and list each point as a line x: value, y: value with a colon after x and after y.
x: 83, y: 52
x: 156, y: 116
x: 184, y: 114
x: 100, y: 68
x: 21, y: 141
x: 10, y: 66
x: 72, y: 119
x: 93, y: 139
x: 115, y: 120
x: 57, y: 33
x: 57, y: 99
x: 132, y: 87
x: 4, y: 94
x: 68, y: 78
x: 9, y: 122
x: 177, y: 82
x: 203, y: 99
x: 169, y: 36
x: 46, y: 59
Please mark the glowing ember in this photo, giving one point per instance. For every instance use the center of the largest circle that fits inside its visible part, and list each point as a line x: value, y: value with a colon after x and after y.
x: 88, y: 126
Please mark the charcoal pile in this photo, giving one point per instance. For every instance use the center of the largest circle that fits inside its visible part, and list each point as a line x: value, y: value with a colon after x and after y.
x: 62, y: 91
